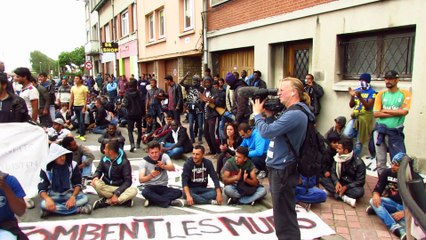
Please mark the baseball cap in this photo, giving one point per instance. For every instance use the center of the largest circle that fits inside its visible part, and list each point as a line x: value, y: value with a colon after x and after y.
x: 397, y: 159
x: 169, y: 77
x: 59, y: 121
x: 340, y: 120
x: 392, y: 74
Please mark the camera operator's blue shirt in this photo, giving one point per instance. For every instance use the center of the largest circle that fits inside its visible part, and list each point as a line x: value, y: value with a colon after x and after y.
x: 294, y: 124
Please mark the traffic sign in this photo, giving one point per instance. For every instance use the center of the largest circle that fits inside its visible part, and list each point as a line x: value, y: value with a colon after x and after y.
x: 88, y: 65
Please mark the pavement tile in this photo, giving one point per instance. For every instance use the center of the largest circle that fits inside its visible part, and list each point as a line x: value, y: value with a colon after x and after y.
x: 341, y: 223
x: 346, y: 236
x: 354, y: 225
x: 351, y: 219
x: 344, y: 230
x: 381, y: 233
x: 339, y: 217
x: 337, y: 205
x: 326, y: 216
x: 338, y: 211
x: 350, y: 213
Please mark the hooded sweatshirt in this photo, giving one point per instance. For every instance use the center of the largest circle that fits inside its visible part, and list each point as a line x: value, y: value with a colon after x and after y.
x: 133, y: 103
x: 197, y: 175
x: 59, y: 178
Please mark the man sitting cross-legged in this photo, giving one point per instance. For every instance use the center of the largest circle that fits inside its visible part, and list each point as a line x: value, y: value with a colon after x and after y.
x: 195, y: 178
x: 112, y: 179
x: 239, y: 176
x: 153, y: 174
x: 60, y: 185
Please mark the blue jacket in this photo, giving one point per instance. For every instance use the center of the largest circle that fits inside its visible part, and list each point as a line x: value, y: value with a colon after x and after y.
x: 256, y: 144
x: 293, y: 123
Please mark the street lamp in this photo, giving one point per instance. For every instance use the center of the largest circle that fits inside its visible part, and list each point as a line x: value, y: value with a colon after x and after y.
x: 40, y: 67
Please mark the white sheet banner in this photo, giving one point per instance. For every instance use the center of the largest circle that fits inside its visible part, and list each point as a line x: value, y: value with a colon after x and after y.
x: 201, y: 226
x: 23, y: 147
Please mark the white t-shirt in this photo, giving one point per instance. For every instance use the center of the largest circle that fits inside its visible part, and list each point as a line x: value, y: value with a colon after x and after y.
x: 160, y: 180
x: 29, y: 93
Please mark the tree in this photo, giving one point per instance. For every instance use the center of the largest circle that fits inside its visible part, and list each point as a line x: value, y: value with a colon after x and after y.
x: 74, y: 58
x: 40, y: 62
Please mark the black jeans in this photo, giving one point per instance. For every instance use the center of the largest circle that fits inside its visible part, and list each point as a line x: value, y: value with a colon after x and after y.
x: 209, y: 134
x: 161, y: 195
x: 283, y: 184
x: 354, y: 192
x: 130, y: 126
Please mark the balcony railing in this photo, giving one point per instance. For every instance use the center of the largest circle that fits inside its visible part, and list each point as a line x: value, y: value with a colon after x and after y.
x: 92, y: 48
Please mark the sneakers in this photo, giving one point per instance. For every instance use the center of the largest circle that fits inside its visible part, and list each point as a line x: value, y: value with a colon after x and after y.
x: 146, y: 203
x: 101, y: 203
x: 232, y: 201
x: 82, y: 138
x: 86, y: 209
x: 252, y: 203
x: 29, y: 203
x: 214, y: 202
x: 261, y: 174
x: 128, y: 203
x: 44, y: 213
x: 399, y: 231
x: 178, y: 203
x: 370, y: 210
x: 349, y: 201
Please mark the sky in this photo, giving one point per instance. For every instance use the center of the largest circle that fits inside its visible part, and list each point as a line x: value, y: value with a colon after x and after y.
x: 49, y: 26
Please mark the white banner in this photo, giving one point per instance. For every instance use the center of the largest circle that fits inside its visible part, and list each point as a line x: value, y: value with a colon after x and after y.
x: 205, y: 226
x: 23, y: 147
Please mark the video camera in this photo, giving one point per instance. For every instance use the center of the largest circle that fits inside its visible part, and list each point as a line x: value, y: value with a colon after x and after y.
x: 272, y: 102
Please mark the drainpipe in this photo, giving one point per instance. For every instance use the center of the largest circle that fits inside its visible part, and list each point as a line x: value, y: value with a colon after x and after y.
x: 205, y: 48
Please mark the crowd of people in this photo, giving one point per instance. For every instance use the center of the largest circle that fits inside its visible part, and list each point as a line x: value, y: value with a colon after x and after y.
x: 248, y: 142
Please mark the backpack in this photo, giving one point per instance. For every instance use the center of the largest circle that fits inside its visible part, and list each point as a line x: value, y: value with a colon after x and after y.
x: 312, y: 150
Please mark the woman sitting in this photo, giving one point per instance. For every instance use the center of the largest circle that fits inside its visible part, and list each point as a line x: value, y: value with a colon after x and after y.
x: 227, y: 146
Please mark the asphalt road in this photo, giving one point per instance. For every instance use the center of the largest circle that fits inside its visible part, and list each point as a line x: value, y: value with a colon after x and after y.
x: 33, y: 215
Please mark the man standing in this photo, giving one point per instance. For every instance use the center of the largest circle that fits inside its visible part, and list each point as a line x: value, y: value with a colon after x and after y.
x: 240, y: 105
x: 78, y: 100
x: 153, y: 101
x: 315, y: 93
x: 153, y: 174
x: 175, y: 104
x: 64, y: 91
x: 390, y: 108
x: 112, y: 179
x: 142, y: 84
x: 13, y: 107
x: 195, y: 178
x: 257, y: 81
x: 281, y: 162
x: 49, y: 85
x: 133, y: 103
x: 44, y: 104
x: 361, y: 124
x: 28, y: 92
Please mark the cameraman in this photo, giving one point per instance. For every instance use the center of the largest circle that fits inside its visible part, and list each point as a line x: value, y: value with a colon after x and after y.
x: 280, y: 161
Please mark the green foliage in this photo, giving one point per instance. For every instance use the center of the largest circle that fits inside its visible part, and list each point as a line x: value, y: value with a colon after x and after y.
x: 40, y: 62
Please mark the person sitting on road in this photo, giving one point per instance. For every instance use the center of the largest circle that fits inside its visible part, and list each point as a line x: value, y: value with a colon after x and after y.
x: 390, y: 208
x: 100, y: 118
x: 257, y: 145
x: 12, y: 195
x: 57, y: 132
x: 177, y: 141
x: 347, y: 174
x: 111, y: 134
x: 60, y: 185
x: 338, y: 128
x: 81, y: 155
x: 153, y: 174
x: 227, y: 147
x: 307, y: 193
x: 195, y: 178
x: 112, y: 179
x: 328, y: 159
x: 160, y: 133
x: 148, y: 128
x: 239, y: 176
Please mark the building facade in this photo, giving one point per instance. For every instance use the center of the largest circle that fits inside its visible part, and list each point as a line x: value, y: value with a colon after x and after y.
x: 171, y: 43
x: 336, y: 41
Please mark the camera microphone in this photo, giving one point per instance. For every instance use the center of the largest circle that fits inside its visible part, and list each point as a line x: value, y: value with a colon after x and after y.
x: 247, y: 92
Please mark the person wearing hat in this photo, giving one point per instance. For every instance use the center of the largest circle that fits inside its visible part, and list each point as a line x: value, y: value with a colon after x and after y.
x: 390, y: 108
x: 175, y: 104
x: 361, y: 124
x: 240, y: 104
x: 390, y: 208
x: 339, y: 125
x: 60, y: 185
x: 28, y: 92
x: 57, y: 132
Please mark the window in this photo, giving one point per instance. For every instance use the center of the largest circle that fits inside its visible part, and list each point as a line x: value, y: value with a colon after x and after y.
x: 151, y: 36
x: 378, y: 52
x: 188, y: 16
x: 135, y: 20
x: 162, y: 24
x: 107, y: 33
x: 125, y: 24
x: 217, y: 2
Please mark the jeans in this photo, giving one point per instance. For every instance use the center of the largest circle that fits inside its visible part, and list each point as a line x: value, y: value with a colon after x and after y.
x: 353, y: 192
x: 161, y: 195
x: 176, y: 115
x: 393, y: 144
x: 310, y: 195
x: 130, y: 126
x: 61, y: 198
x: 283, y: 183
x: 175, y: 152
x: 202, y: 195
x: 78, y: 110
x: 232, y: 192
x: 259, y: 162
x: 155, y: 111
x: 209, y: 135
x: 226, y: 117
x: 192, y: 116
x: 385, y: 209
x: 350, y: 132
x: 100, y: 129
